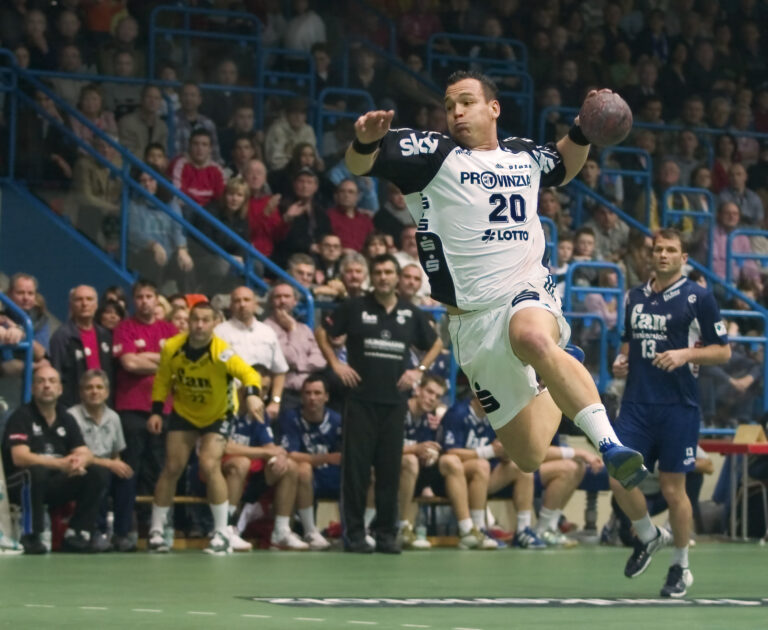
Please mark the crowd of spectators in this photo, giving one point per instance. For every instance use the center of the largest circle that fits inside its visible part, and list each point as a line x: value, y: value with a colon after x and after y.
x: 695, y: 73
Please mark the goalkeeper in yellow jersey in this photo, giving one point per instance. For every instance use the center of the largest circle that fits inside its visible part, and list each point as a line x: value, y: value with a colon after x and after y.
x: 197, y: 369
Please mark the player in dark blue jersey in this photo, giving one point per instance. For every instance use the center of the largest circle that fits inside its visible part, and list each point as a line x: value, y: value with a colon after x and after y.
x: 672, y: 326
x: 251, y: 462
x: 311, y: 434
x: 468, y: 435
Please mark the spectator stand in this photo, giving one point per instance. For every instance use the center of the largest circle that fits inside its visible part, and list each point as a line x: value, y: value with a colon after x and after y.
x: 567, y: 113
x: 550, y: 234
x: 250, y: 254
x: 325, y: 116
x: 740, y: 257
x: 754, y: 344
x: 279, y: 68
x: 642, y: 176
x: 438, y: 61
x: 521, y: 98
x: 8, y: 86
x: 671, y: 216
x: 388, y: 23
x: 574, y: 294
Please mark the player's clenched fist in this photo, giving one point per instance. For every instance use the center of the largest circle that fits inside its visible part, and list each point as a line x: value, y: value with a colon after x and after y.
x: 373, y: 126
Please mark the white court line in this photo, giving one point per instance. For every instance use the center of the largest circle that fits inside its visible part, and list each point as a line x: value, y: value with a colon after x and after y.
x: 149, y: 610
x: 258, y: 616
x: 39, y: 605
x: 308, y: 619
x: 197, y: 612
x: 467, y: 629
x: 93, y: 608
x: 364, y: 623
x: 413, y: 625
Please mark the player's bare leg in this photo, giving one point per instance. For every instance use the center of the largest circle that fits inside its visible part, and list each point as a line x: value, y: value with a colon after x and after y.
x: 235, y: 475
x: 679, y: 577
x: 409, y: 473
x: 305, y: 491
x: 285, y: 483
x: 533, y: 336
x: 452, y: 470
x: 560, y: 479
x: 506, y: 473
x: 477, y: 472
x: 211, y: 451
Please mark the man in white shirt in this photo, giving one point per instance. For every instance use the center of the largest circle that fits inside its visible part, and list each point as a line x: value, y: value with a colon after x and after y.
x: 255, y: 342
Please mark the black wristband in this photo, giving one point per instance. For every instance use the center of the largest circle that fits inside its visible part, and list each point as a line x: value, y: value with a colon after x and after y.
x: 157, y: 407
x: 251, y: 391
x: 365, y: 148
x: 577, y: 136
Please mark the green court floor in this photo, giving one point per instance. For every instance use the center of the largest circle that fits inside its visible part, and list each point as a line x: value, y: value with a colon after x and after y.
x: 579, y: 588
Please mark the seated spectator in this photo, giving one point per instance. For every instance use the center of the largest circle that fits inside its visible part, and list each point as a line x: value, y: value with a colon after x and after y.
x: 367, y: 77
x: 606, y: 308
x: 189, y: 120
x: 37, y: 41
x: 286, y: 132
x: 564, y: 257
x: 23, y: 291
x: 611, y: 234
x: 125, y: 37
x: 305, y: 29
x: 551, y: 207
x: 746, y: 146
x: 303, y: 155
x: 325, y: 74
x: 123, y: 98
x: 728, y: 219
x: 157, y: 243
x: 409, y: 285
x: 311, y: 433
x: 171, y: 99
x: 91, y: 106
x: 409, y: 253
x: 156, y: 156
x: 241, y: 155
x: 69, y: 33
x: 354, y: 275
x: 71, y: 62
x: 367, y: 192
x: 667, y: 177
x: 297, y: 342
x: 725, y: 156
x: 179, y: 317
x: 196, y: 173
x: 301, y: 267
x: 328, y: 259
x: 307, y: 221
x: 110, y: 314
x: 646, y: 87
x: 80, y: 344
x: 219, y: 105
x: 98, y: 194
x: 607, y: 186
x: 238, y: 126
x: 394, y: 214
x: 468, y: 436
x: 686, y: 155
x: 416, y: 27
x: 49, y: 153
x: 584, y: 241
x: 266, y: 221
x: 347, y: 221
x: 377, y: 244
x: 252, y: 463
x: 757, y: 174
x: 750, y: 206
x: 103, y: 435
x: 719, y: 113
x: 144, y: 126
x: 652, y: 111
x: 637, y: 261
x: 231, y: 209
x: 45, y: 441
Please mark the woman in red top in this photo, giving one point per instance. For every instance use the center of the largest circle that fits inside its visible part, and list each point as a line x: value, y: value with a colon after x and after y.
x: 266, y: 224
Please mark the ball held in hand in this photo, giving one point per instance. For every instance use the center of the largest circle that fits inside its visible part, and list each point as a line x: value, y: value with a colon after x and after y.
x: 605, y: 118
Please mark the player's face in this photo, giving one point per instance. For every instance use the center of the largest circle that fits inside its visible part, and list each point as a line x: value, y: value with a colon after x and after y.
x: 471, y: 118
x: 428, y: 396
x: 668, y: 257
x: 95, y: 392
x: 243, y: 304
x: 384, y: 278
x: 313, y: 397
x: 201, y: 324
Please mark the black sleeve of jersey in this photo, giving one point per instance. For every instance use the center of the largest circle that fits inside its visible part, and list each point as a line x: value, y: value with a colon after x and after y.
x: 547, y: 157
x: 424, y: 335
x: 410, y: 158
x: 336, y: 322
x: 17, y: 429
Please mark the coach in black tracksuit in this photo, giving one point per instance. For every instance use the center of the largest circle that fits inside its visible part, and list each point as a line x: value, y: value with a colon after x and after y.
x: 380, y: 329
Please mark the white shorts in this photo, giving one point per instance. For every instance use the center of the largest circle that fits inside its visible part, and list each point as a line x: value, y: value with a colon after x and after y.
x: 503, y: 384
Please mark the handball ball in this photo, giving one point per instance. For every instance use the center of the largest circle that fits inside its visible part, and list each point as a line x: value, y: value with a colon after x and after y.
x: 605, y: 118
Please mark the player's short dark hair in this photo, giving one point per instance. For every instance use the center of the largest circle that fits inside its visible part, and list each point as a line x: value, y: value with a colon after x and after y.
x: 433, y: 378
x: 490, y: 91
x: 384, y: 258
x: 316, y: 378
x: 671, y: 234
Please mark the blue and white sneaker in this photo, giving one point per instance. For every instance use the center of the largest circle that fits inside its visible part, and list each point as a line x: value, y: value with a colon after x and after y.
x: 527, y: 539
x: 623, y: 464
x: 576, y: 352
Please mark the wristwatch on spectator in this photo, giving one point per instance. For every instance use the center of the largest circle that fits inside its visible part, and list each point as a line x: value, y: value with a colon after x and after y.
x: 276, y: 399
x: 422, y: 368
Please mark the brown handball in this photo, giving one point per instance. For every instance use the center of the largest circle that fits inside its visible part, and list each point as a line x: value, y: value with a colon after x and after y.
x: 605, y: 119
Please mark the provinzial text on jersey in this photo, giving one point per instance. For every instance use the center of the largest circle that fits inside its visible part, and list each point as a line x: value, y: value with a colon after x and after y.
x: 490, y: 180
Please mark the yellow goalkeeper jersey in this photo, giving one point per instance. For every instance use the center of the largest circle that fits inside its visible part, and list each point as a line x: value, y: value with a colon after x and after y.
x: 200, y: 379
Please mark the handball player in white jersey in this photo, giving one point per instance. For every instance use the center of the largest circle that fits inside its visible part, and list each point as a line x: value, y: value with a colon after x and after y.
x: 474, y: 198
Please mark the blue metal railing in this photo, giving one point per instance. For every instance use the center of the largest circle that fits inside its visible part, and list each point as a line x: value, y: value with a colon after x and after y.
x: 670, y: 215
x: 26, y: 345
x: 739, y: 258
x: 550, y: 233
x: 187, y: 31
x: 251, y: 254
x: 522, y: 97
x: 754, y: 343
x: 603, y: 374
x: 322, y: 115
x: 568, y: 113
x: 271, y: 77
x: 390, y: 24
x: 434, y: 57
x: 640, y: 175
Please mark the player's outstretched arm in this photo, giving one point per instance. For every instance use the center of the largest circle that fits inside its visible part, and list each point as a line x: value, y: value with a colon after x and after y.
x: 369, y: 129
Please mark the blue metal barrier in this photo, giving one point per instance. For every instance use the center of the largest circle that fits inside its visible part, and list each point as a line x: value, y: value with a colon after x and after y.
x: 322, y: 115
x: 550, y: 233
x: 186, y: 31
x: 568, y: 114
x: 644, y: 175
x: 603, y: 375
x: 25, y: 344
x: 575, y: 292
x: 391, y: 28
x: 270, y: 79
x: 670, y: 215
x: 251, y: 253
x: 434, y: 57
x: 523, y: 97
x: 740, y: 257
x: 752, y: 342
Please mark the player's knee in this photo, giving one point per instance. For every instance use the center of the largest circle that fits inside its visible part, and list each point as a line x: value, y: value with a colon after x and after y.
x: 483, y: 468
x: 291, y: 469
x: 410, y: 464
x: 530, y: 343
x: 304, y: 472
x: 173, y: 469
x: 529, y: 462
x: 209, y: 466
x: 450, y: 465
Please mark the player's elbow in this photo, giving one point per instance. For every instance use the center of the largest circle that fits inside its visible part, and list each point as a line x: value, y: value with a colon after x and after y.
x: 726, y: 353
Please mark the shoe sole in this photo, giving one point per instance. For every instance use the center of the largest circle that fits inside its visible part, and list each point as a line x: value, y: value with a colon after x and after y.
x: 216, y: 552
x: 275, y: 547
x: 641, y: 571
x: 687, y: 583
x: 159, y: 550
x: 629, y: 471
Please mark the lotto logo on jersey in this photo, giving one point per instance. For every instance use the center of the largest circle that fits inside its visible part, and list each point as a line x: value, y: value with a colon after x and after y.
x: 490, y: 180
x: 504, y: 235
x: 413, y: 145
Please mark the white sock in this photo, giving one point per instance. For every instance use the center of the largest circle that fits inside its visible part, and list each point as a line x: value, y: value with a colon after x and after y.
x: 403, y: 524
x: 231, y: 509
x: 220, y: 512
x: 523, y: 519
x: 465, y: 526
x: 478, y: 518
x: 282, y: 524
x: 368, y: 516
x: 307, y: 516
x: 680, y: 556
x: 159, y: 517
x: 593, y: 420
x: 547, y: 520
x: 645, y: 529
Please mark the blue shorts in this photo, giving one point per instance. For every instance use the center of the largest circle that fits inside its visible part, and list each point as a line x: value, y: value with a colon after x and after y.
x: 664, y: 433
x: 327, y: 482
